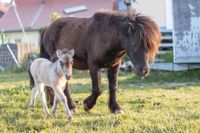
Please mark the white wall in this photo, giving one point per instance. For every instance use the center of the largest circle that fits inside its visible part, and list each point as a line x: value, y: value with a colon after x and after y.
x: 32, y: 36
x: 153, y: 8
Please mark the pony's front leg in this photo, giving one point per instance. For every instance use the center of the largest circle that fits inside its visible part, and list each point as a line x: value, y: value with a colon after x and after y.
x: 49, y: 96
x: 55, y: 103
x: 90, y: 101
x: 113, y: 85
x: 43, y: 99
x: 63, y: 100
x: 70, y: 100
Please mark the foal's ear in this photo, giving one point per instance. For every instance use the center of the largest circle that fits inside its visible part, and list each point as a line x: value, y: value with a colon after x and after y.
x: 71, y: 52
x: 59, y: 53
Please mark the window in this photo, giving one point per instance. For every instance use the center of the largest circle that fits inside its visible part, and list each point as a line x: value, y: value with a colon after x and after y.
x: 75, y: 9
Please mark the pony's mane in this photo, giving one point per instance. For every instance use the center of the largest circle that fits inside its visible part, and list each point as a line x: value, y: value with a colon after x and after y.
x: 109, y: 15
x: 146, y: 31
x: 147, y: 34
x: 110, y: 12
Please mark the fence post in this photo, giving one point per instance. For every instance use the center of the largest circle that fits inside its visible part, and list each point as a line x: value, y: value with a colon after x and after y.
x: 9, y: 49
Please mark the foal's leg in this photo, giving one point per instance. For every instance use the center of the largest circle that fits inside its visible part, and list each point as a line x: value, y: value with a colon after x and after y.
x: 63, y: 100
x: 43, y: 99
x: 70, y: 101
x: 113, y: 85
x: 33, y: 96
x: 90, y: 101
x: 55, y: 103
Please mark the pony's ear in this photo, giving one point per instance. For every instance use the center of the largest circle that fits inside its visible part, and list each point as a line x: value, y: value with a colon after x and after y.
x: 127, y: 26
x: 71, y: 52
x: 59, y: 53
x: 130, y: 28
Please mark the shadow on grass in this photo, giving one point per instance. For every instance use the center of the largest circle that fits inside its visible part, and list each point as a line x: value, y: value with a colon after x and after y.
x: 160, y: 79
x: 9, y: 77
x: 163, y: 77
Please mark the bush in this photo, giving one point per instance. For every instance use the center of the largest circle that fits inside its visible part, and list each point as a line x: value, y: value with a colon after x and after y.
x: 24, y: 65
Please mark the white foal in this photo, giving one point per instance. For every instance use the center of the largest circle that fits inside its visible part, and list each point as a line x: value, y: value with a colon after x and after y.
x: 55, y: 75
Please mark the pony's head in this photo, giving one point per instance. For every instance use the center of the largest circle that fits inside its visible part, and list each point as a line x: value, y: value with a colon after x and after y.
x: 65, y: 60
x: 139, y: 36
x: 142, y: 42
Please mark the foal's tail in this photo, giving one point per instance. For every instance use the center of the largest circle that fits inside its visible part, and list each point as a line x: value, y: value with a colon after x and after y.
x: 31, y: 80
x: 43, y: 52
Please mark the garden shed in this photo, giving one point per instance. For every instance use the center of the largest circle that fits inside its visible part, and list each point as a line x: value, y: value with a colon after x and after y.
x: 186, y: 31
x: 184, y: 21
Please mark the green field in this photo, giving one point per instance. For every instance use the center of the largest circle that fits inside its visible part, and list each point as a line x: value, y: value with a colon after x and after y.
x: 162, y: 102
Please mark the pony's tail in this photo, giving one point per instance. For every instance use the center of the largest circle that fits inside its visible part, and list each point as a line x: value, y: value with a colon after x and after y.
x: 43, y: 52
x: 31, y: 80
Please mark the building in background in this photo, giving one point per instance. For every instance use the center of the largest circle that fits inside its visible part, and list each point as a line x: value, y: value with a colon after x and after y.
x: 184, y: 15
x: 35, y: 14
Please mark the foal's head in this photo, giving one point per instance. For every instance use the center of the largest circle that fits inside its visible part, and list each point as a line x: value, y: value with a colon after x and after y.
x: 65, y: 60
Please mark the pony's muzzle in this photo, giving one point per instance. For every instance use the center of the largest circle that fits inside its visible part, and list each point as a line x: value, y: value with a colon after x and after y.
x: 142, y: 71
x: 145, y: 72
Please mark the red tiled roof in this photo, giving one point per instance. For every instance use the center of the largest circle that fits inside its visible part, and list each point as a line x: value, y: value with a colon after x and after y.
x: 27, y: 9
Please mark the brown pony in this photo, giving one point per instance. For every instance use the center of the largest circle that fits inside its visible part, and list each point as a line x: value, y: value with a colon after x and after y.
x: 100, y: 42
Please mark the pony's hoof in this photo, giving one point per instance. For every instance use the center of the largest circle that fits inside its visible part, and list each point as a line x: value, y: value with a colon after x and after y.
x: 115, y: 108
x: 86, y: 108
x: 117, y: 112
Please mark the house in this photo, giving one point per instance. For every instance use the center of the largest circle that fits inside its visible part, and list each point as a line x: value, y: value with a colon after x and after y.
x: 35, y: 14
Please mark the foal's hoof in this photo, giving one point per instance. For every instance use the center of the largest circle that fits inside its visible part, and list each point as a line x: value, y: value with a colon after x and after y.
x: 32, y: 108
x: 47, y: 115
x: 70, y: 118
x: 55, y: 115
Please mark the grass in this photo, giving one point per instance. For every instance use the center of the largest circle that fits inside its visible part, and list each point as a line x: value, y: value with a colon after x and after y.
x: 162, y: 102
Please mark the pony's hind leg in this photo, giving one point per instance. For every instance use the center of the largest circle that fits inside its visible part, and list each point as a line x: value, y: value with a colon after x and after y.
x: 43, y: 99
x: 63, y: 100
x: 33, y: 96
